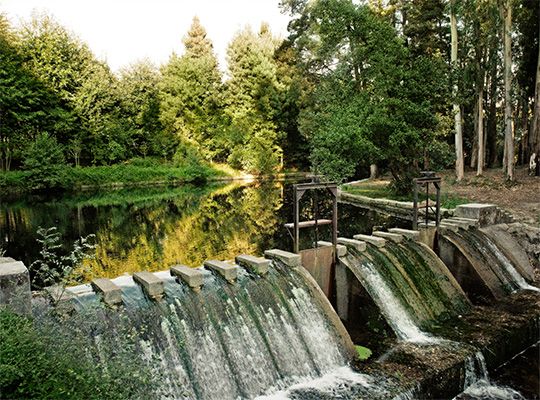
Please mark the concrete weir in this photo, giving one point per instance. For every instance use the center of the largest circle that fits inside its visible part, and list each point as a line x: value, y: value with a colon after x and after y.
x: 390, y: 292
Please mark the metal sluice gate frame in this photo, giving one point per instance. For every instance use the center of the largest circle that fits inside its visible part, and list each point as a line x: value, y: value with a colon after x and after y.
x: 298, y: 192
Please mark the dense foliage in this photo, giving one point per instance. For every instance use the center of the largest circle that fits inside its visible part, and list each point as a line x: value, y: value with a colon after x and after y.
x: 355, y: 84
x: 40, y: 360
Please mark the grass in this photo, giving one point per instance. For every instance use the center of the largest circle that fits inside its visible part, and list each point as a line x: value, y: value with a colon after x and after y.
x: 381, y: 189
x: 72, y: 178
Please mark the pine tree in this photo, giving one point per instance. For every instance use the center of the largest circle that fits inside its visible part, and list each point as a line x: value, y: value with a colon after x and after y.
x: 252, y: 98
x: 191, y: 94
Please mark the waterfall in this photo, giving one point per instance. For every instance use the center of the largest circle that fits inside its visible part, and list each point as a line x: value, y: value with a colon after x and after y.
x: 489, y: 262
x: 409, y: 284
x: 477, y: 384
x: 396, y: 313
x: 509, y: 268
x: 256, y: 337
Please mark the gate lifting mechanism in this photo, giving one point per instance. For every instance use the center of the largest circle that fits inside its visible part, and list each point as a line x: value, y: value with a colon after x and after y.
x: 298, y: 192
x: 427, y: 178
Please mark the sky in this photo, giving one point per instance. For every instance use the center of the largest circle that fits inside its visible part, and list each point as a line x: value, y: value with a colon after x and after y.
x: 124, y: 31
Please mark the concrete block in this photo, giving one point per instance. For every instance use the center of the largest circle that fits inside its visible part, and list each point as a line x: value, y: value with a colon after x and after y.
x: 15, y: 292
x: 258, y: 265
x: 226, y: 270
x: 377, y: 241
x: 486, y: 214
x: 290, y: 259
x: 409, y: 233
x: 109, y: 291
x: 357, y: 244
x: 341, y: 249
x: 446, y: 226
x: 191, y: 276
x: 394, y: 237
x: 151, y: 284
x: 61, y: 298
x: 470, y: 221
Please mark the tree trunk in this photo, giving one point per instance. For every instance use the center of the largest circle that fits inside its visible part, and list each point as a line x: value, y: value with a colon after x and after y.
x: 481, y: 145
x: 534, y: 138
x: 491, y: 142
x: 456, y: 108
x: 373, y: 171
x: 506, y: 9
x: 474, y: 149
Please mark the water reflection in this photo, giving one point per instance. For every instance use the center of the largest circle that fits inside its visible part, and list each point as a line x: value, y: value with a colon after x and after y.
x: 154, y: 228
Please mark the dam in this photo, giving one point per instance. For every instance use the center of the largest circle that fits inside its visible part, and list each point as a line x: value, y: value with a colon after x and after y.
x: 437, y: 317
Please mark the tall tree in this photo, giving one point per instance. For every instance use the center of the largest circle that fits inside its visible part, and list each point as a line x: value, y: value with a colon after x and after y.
x: 372, y: 101
x: 456, y: 107
x: 27, y: 106
x: 506, y: 11
x: 139, y: 102
x: 190, y: 94
x: 252, y: 101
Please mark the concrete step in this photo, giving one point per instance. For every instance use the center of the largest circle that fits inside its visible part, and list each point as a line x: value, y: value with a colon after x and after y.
x: 226, y: 270
x: 374, y: 240
x: 193, y: 277
x: 409, y: 233
x: 258, y: 265
x: 288, y: 258
x: 111, y: 294
x: 394, y: 237
x: 341, y: 249
x: 357, y: 244
x: 151, y: 284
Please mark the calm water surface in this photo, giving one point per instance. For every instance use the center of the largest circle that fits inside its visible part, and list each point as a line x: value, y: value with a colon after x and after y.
x: 154, y: 228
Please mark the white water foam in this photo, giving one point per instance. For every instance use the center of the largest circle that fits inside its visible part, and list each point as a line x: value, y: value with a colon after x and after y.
x: 396, y: 314
x: 516, y: 276
x: 478, y: 385
x: 329, y: 383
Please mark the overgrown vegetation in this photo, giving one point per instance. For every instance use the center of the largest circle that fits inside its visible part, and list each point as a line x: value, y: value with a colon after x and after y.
x: 71, y: 178
x: 41, y: 360
x: 57, y: 266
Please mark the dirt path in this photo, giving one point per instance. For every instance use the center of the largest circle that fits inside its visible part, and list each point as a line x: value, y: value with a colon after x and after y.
x: 521, y: 198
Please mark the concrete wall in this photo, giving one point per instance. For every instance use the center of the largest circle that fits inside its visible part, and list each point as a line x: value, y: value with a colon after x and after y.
x: 15, y: 291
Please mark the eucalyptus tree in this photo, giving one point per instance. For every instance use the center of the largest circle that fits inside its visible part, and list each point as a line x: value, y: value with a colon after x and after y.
x: 506, y: 15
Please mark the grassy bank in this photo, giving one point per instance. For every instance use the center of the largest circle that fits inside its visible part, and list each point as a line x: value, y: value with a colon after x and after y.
x: 72, y: 179
x: 381, y: 189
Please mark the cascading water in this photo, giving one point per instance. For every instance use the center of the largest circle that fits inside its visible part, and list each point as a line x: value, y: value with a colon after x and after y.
x: 411, y: 287
x: 509, y: 268
x: 255, y: 337
x: 477, y: 384
x: 495, y: 269
x: 395, y: 312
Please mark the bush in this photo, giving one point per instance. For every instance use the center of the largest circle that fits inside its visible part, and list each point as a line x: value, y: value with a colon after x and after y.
x: 49, y: 361
x: 44, y: 160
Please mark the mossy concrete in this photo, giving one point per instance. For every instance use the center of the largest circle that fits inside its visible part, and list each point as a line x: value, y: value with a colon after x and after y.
x: 500, y: 330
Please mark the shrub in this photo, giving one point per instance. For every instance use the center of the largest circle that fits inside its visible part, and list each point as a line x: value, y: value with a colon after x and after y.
x: 52, y: 267
x: 44, y: 159
x: 51, y: 361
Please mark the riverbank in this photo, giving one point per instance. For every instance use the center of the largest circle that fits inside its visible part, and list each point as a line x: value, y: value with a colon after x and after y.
x: 14, y: 184
x: 521, y: 198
